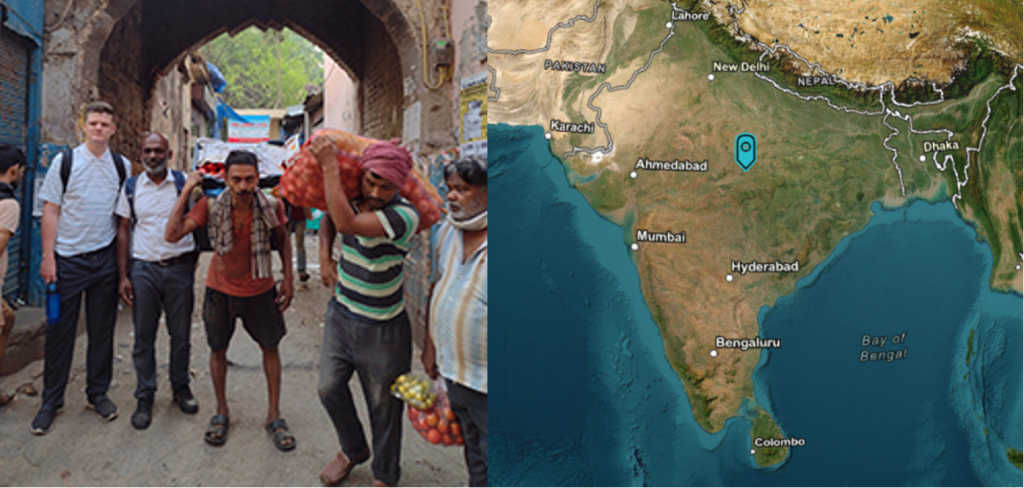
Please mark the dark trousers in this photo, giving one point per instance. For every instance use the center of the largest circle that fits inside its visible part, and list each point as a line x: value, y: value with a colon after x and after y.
x: 94, y: 276
x: 470, y: 406
x: 379, y: 351
x: 162, y: 289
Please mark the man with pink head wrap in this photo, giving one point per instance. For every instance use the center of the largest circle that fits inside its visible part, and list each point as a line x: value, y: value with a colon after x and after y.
x: 388, y: 160
x: 366, y: 328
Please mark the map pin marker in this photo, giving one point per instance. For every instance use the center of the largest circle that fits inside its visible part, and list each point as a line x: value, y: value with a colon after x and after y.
x: 746, y: 151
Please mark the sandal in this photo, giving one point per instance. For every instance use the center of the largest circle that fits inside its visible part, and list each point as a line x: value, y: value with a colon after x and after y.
x: 283, y: 439
x: 340, y: 467
x: 217, y: 433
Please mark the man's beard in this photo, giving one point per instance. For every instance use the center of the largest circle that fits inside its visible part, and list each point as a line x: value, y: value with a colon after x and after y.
x: 469, y: 211
x: 157, y: 170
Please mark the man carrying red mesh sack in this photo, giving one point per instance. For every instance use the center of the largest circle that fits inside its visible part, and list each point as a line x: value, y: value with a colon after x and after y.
x: 366, y: 328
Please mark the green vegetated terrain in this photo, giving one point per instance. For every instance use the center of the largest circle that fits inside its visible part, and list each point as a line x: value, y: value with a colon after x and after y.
x: 766, y: 428
x: 1015, y: 457
x: 818, y: 171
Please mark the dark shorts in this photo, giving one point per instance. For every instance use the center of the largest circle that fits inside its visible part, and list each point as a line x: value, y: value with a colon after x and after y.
x: 259, y: 314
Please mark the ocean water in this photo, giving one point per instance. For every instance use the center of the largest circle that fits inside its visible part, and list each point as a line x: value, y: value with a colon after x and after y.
x: 582, y: 393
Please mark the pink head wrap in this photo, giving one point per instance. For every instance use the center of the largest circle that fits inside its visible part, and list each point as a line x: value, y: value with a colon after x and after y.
x: 388, y: 160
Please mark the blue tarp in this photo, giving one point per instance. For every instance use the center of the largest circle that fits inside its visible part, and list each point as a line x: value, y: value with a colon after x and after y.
x: 224, y: 112
x: 25, y: 17
x: 216, y: 78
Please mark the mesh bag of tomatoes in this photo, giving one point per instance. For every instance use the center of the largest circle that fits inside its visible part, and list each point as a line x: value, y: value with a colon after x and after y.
x: 430, y: 411
x: 303, y: 180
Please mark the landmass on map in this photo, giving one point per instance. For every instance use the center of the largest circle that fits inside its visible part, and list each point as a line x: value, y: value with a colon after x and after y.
x: 825, y: 153
x: 1016, y: 457
x: 878, y: 41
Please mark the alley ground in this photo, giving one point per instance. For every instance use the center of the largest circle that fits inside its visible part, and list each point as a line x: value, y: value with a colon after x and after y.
x: 80, y: 449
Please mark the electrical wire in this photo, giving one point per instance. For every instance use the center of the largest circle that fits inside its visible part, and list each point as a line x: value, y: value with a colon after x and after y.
x: 440, y: 70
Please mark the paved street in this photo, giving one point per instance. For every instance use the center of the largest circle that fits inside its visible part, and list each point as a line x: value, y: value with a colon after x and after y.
x: 81, y: 449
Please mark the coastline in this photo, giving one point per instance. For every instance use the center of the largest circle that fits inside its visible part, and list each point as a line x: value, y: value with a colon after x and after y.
x: 641, y: 335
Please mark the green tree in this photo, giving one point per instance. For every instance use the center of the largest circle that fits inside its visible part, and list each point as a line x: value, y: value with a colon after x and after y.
x: 265, y: 69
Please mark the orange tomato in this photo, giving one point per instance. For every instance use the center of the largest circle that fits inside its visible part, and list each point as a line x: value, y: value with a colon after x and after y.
x: 447, y: 440
x: 443, y: 426
x: 455, y: 429
x: 432, y: 419
x: 449, y: 414
x: 460, y: 440
x: 434, y: 436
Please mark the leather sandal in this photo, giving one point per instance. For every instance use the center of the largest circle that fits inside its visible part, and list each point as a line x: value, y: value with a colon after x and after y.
x: 283, y: 439
x: 217, y: 432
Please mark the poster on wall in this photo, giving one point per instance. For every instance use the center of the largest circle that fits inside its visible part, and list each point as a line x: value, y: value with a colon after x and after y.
x: 255, y: 131
x: 473, y: 116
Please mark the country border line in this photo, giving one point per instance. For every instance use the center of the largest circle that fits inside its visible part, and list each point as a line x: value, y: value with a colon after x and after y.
x: 590, y: 102
x: 547, y: 46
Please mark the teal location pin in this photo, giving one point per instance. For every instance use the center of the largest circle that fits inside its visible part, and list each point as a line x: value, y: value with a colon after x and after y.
x: 746, y: 151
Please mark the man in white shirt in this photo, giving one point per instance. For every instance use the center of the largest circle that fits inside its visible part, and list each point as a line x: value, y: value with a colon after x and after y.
x: 159, y: 278
x: 78, y: 232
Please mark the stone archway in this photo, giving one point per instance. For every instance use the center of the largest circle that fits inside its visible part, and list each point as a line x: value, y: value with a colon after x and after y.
x: 117, y: 49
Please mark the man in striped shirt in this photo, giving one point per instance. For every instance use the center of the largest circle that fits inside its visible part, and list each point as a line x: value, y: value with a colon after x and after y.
x: 366, y: 328
x: 456, y: 342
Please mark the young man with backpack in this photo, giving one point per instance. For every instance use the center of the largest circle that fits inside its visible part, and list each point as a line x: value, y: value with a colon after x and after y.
x: 12, y: 168
x: 78, y: 232
x: 159, y: 278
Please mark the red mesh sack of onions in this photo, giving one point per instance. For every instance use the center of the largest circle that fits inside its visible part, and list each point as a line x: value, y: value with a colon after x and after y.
x: 303, y: 180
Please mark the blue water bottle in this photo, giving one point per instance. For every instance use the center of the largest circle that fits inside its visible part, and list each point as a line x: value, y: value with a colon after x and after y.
x: 52, y: 304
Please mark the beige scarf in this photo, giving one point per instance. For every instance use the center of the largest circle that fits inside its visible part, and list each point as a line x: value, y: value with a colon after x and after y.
x: 264, y: 221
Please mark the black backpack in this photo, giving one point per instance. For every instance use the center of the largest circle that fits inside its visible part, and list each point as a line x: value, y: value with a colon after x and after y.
x: 200, y: 235
x: 67, y: 160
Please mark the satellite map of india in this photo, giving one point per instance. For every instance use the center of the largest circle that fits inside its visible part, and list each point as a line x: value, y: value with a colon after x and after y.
x: 757, y: 243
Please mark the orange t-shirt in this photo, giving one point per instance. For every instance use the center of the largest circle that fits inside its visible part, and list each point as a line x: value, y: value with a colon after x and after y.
x: 232, y: 273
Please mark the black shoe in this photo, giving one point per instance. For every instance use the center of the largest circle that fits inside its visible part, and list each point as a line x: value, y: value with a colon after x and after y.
x: 104, y: 408
x: 303, y: 276
x: 44, y: 419
x: 143, y: 414
x: 186, y: 402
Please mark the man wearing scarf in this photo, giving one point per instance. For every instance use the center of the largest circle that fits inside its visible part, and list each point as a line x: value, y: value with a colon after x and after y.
x: 366, y: 328
x: 241, y: 223
x: 456, y: 339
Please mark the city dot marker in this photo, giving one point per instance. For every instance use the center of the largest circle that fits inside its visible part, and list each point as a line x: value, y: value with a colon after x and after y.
x: 632, y: 174
x: 753, y: 451
x: 714, y: 353
x: 635, y: 246
x: 922, y: 158
x: 547, y: 135
x: 729, y: 278
x: 711, y: 77
x: 597, y: 157
x: 668, y: 25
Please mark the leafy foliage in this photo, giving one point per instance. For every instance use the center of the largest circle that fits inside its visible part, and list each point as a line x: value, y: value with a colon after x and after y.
x: 250, y: 64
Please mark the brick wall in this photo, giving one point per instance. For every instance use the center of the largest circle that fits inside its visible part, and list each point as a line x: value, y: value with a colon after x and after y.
x: 120, y: 84
x: 381, y: 86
